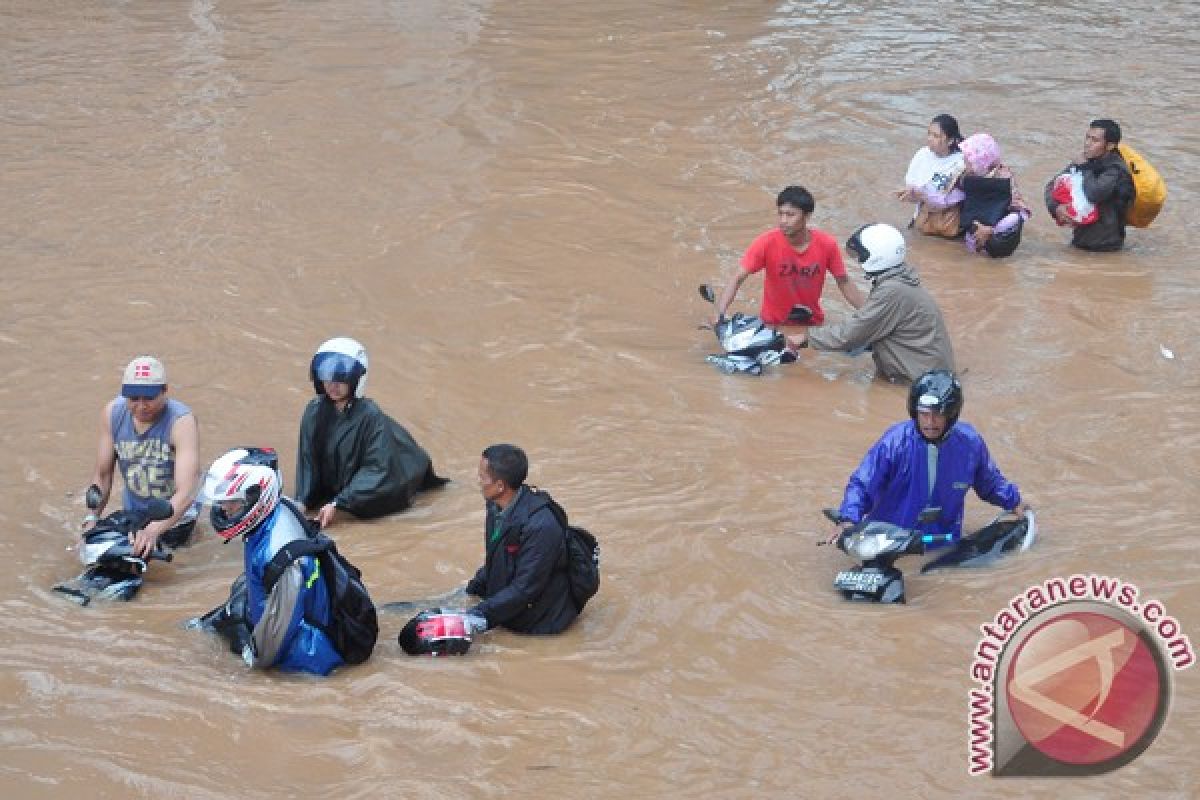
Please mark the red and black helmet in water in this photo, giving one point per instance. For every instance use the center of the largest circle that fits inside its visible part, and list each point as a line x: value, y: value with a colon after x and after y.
x: 435, y: 632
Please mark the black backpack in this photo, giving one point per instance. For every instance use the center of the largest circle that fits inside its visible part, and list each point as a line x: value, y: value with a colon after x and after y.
x: 583, y: 559
x: 353, y: 626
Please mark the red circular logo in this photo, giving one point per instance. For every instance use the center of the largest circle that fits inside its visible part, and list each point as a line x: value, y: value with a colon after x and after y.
x: 1084, y: 688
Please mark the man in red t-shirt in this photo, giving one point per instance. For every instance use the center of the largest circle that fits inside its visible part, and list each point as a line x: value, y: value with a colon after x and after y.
x: 796, y: 258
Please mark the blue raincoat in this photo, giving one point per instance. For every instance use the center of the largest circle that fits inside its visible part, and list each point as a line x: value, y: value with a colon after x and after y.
x: 892, y: 484
x: 292, y: 642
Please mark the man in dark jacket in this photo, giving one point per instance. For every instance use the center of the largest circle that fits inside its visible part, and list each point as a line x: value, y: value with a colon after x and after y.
x: 351, y: 455
x: 523, y: 581
x: 899, y: 322
x: 1107, y: 185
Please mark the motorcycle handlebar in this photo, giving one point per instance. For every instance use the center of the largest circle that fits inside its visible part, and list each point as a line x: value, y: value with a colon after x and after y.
x: 92, y: 497
x: 157, y: 554
x: 123, y: 524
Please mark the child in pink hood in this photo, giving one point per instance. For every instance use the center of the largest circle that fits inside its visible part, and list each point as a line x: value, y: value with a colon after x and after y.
x: 993, y: 211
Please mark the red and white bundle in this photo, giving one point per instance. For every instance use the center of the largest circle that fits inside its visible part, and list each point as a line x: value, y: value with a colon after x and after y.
x: 1068, y: 192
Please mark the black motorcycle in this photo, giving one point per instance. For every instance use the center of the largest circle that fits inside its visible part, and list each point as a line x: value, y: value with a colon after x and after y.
x: 749, y: 344
x: 230, y: 620
x: 877, y: 545
x: 111, y: 570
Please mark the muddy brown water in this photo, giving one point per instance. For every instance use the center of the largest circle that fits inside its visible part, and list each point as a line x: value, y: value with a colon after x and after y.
x: 511, y: 205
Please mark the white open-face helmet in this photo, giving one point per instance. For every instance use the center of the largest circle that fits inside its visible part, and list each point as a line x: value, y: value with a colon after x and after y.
x: 878, y: 246
x: 243, y: 486
x: 343, y: 360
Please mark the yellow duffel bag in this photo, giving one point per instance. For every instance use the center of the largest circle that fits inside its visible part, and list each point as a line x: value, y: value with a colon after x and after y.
x: 1151, y: 189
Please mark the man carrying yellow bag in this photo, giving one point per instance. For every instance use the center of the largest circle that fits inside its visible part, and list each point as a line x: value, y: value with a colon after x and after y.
x: 1107, y: 184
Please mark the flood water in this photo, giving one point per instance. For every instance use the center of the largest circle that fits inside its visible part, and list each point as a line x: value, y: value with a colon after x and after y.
x: 511, y: 205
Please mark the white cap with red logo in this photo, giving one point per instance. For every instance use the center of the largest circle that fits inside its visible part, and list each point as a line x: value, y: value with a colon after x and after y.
x: 144, y: 377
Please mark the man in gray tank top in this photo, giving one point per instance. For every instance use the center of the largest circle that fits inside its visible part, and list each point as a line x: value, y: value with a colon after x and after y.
x: 154, y: 441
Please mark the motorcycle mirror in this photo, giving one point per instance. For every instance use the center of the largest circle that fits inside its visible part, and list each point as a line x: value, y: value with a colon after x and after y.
x: 92, y: 497
x: 932, y: 514
x: 800, y: 314
x: 706, y: 291
x: 159, y: 509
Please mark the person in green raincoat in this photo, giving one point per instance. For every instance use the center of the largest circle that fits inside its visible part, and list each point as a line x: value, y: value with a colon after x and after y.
x: 352, y: 456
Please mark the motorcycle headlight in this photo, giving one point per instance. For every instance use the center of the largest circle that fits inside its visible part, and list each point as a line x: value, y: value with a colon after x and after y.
x: 97, y: 543
x: 876, y: 539
x: 89, y: 553
x: 867, y: 545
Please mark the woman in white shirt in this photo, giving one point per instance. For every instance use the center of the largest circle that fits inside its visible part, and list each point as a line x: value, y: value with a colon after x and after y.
x: 930, y: 180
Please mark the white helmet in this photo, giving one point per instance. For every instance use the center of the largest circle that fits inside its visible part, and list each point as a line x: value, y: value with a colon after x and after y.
x: 879, y: 247
x: 249, y: 477
x: 343, y: 360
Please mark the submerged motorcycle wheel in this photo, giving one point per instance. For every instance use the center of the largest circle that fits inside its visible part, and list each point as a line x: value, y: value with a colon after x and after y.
x: 735, y: 364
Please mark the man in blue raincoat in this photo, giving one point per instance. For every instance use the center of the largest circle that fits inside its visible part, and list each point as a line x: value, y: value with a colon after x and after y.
x: 929, y: 462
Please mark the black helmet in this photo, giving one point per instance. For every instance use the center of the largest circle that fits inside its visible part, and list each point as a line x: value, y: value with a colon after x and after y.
x: 937, y: 390
x: 435, y: 632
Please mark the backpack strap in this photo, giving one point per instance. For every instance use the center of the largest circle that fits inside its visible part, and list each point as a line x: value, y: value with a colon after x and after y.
x: 313, y: 544
x: 310, y: 526
x: 283, y: 558
x: 558, y: 511
x: 560, y: 515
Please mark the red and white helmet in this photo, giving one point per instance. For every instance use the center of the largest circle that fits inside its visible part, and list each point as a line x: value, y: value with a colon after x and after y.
x: 436, y: 632
x: 243, y: 486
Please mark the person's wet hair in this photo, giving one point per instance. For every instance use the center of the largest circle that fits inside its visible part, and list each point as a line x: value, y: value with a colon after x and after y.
x: 949, y: 126
x: 508, y: 463
x: 1112, y: 131
x: 796, y: 196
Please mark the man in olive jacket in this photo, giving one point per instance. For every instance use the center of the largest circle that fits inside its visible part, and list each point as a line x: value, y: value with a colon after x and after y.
x: 523, y: 581
x: 1106, y: 183
x: 899, y: 322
